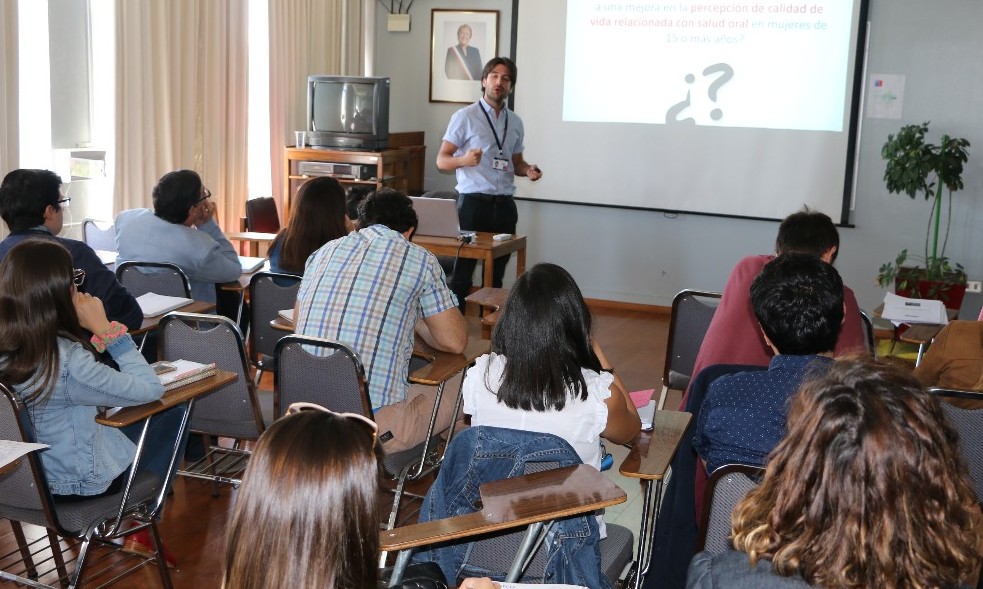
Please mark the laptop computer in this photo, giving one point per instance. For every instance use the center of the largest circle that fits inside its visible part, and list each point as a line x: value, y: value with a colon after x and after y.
x: 437, y: 217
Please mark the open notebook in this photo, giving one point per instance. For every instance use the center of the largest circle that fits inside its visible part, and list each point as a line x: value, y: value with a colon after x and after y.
x: 250, y: 265
x: 153, y: 304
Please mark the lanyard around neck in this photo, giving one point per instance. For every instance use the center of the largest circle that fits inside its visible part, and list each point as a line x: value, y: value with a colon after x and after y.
x: 492, y: 125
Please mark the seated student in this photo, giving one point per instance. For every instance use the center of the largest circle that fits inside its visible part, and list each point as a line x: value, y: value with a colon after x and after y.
x: 32, y: 207
x: 798, y: 300
x: 371, y: 289
x: 47, y: 357
x: 181, y: 230
x: 732, y: 337
x: 546, y: 373
x: 955, y: 358
x: 319, y: 216
x: 307, y: 514
x: 867, y: 489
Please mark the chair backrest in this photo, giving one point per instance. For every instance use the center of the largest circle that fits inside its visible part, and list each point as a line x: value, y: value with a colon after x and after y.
x: 727, y: 485
x: 261, y: 215
x: 969, y: 424
x: 868, y: 328
x: 269, y: 293
x: 318, y: 371
x: 692, y: 311
x: 160, y: 278
x: 23, y: 491
x: 99, y: 235
x: 232, y: 411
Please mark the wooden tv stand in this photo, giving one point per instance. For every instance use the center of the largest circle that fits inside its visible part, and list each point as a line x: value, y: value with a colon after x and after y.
x: 399, y: 166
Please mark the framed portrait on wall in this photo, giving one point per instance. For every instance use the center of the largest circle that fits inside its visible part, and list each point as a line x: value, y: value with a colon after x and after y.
x: 461, y: 41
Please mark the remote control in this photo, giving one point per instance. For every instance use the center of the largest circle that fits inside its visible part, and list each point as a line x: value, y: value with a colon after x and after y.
x: 502, y: 237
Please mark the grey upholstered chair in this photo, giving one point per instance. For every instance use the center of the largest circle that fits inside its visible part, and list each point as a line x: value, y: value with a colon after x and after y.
x: 727, y: 485
x: 692, y: 311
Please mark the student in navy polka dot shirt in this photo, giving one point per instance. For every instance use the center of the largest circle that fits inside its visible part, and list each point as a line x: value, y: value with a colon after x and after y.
x: 798, y: 301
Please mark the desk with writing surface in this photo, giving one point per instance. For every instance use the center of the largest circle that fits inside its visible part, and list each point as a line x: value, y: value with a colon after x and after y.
x: 527, y: 500
x: 651, y: 453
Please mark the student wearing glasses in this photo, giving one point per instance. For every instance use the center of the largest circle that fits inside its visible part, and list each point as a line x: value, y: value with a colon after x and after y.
x: 181, y: 230
x: 32, y: 206
x: 50, y: 335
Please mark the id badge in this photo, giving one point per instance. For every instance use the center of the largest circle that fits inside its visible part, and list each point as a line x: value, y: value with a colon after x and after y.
x: 500, y: 163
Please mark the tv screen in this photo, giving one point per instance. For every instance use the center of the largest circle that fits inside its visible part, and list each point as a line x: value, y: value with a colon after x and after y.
x: 348, y: 111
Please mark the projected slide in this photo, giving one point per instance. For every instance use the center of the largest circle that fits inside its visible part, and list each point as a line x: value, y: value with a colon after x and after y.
x: 772, y: 65
x: 729, y: 107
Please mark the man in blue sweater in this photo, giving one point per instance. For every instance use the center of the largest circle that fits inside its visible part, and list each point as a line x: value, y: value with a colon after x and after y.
x: 32, y: 206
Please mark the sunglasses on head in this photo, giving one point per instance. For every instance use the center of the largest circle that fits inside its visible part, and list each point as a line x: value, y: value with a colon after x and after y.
x: 305, y: 406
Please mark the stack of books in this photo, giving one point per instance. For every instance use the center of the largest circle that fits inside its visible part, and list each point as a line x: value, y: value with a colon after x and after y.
x: 177, y: 373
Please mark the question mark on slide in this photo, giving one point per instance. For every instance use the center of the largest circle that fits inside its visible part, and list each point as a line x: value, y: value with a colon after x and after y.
x: 727, y: 73
x: 672, y: 115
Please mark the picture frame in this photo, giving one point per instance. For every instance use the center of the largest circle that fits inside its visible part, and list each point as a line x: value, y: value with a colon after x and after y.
x: 455, y: 71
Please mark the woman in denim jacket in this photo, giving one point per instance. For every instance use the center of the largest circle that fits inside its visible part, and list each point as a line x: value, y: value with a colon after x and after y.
x: 49, y: 360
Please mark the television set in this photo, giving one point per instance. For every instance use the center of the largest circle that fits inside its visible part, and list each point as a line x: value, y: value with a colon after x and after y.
x: 348, y: 111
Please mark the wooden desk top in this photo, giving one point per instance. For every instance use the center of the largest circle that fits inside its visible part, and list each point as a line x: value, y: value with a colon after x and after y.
x: 651, y: 452
x: 440, y: 367
x: 515, y: 502
x: 448, y: 246
x: 151, y: 323
x: 489, y: 297
x: 121, y: 416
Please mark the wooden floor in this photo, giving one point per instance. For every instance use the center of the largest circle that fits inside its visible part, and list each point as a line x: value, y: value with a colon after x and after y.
x: 193, y: 526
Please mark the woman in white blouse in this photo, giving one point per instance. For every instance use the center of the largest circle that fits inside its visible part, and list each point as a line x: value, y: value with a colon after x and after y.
x: 545, y: 372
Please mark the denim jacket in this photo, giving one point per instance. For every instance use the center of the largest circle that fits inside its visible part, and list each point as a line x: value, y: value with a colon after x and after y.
x: 481, y: 454
x: 84, y: 456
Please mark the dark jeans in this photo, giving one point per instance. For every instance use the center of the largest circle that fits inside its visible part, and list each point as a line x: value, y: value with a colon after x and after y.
x: 482, y: 212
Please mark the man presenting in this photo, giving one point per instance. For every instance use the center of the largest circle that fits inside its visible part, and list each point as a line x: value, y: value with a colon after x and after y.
x: 483, y: 145
x: 371, y: 290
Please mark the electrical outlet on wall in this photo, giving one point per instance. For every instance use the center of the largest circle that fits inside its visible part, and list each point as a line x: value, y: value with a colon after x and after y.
x: 974, y: 286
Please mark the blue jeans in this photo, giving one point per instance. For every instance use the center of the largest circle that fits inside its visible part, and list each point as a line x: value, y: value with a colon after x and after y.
x: 482, y: 454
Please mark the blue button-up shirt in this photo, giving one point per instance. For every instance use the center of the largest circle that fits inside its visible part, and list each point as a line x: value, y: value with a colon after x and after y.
x: 469, y: 129
x: 743, y: 416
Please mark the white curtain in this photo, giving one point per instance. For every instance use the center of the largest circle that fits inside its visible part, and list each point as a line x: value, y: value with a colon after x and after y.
x: 307, y: 37
x: 9, y: 135
x: 181, y: 99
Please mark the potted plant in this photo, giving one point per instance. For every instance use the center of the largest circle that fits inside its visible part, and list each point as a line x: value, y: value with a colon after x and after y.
x: 915, y: 166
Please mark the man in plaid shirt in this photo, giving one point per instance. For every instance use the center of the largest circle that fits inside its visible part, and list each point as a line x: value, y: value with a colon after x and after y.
x: 371, y: 290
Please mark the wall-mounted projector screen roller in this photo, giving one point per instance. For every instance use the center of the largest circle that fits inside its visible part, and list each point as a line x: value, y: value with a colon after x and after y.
x: 723, y: 107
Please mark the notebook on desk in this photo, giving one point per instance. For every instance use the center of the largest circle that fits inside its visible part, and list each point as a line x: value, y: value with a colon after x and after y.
x: 250, y: 265
x: 436, y: 217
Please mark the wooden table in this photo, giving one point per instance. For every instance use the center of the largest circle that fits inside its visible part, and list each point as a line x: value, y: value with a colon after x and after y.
x: 527, y: 500
x: 651, y: 453
x: 484, y: 248
x: 253, y: 239
x: 151, y: 323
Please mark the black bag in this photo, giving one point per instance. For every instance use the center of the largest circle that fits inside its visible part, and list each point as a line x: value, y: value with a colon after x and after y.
x: 424, y: 575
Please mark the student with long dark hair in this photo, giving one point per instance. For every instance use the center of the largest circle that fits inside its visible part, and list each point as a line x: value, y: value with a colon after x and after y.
x: 307, y: 513
x: 546, y: 373
x: 867, y: 489
x: 51, y: 363
x: 319, y: 216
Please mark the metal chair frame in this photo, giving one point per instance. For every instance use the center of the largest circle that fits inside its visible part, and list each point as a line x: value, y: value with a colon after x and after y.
x: 261, y: 337
x: 98, y: 238
x: 725, y: 488
x: 220, y: 465
x: 166, y: 280
x: 405, y: 466
x: 139, y: 502
x: 682, y: 347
